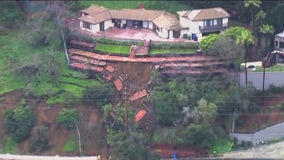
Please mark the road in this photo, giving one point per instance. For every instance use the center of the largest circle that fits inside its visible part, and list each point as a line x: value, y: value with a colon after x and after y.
x: 272, y: 151
x: 30, y: 157
x: 268, y: 134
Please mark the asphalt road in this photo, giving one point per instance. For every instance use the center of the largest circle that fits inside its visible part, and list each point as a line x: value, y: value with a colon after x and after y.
x: 29, y: 157
x: 272, y: 151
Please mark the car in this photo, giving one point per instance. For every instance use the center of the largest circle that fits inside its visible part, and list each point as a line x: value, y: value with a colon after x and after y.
x: 251, y: 68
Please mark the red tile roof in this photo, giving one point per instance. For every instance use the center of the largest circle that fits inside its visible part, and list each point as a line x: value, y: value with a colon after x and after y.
x: 138, y: 95
x: 109, y: 68
x: 140, y: 115
x: 118, y: 84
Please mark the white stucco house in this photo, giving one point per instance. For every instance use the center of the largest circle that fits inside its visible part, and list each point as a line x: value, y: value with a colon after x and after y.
x: 166, y: 25
x: 202, y: 22
x: 196, y: 22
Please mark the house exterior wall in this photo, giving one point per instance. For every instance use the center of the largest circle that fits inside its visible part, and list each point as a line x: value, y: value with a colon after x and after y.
x: 145, y: 24
x: 150, y: 25
x: 162, y: 32
x: 194, y: 25
x: 184, y: 31
x: 108, y: 24
x: 225, y: 21
x: 95, y: 28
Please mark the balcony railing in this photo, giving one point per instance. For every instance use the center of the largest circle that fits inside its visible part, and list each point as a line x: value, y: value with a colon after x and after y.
x: 213, y: 28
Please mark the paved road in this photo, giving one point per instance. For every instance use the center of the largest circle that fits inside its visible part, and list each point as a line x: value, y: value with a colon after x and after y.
x: 268, y: 134
x: 29, y: 157
x: 276, y: 78
x: 273, y: 151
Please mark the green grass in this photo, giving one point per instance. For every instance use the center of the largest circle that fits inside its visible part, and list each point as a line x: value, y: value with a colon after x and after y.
x: 110, y: 48
x: 169, y: 6
x: 11, y: 146
x: 222, y: 146
x: 275, y: 68
x: 70, y: 145
x: 173, y: 51
x: 11, y: 46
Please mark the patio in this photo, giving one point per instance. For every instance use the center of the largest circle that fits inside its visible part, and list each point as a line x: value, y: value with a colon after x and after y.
x: 134, y: 34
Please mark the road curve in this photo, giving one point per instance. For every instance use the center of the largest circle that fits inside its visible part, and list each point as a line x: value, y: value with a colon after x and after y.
x: 31, y: 157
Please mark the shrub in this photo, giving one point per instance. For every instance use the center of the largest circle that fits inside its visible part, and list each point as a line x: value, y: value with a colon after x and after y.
x: 99, y: 95
x: 19, y: 121
x: 67, y: 118
x: 10, y: 145
x: 69, y: 146
x: 39, y: 141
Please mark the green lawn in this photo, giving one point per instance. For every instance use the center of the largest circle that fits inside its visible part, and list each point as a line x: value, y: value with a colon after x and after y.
x: 110, y: 48
x: 14, y: 48
x: 169, y: 6
x: 222, y: 146
x: 172, y: 51
x: 275, y: 68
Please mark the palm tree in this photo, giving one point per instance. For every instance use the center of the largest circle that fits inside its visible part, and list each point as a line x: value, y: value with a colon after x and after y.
x: 246, y: 39
x: 252, y: 5
x: 267, y: 30
x: 259, y: 17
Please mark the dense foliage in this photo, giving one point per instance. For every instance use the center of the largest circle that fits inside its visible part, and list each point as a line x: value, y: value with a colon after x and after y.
x: 11, y: 14
x: 39, y: 140
x: 99, y: 95
x: 19, y: 121
x: 67, y: 118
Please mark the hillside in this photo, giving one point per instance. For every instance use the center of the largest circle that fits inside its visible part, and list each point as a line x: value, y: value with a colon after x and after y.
x: 188, y: 100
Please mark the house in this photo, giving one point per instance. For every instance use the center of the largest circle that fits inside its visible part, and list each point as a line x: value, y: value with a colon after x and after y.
x: 202, y: 22
x: 97, y: 18
x: 279, y: 41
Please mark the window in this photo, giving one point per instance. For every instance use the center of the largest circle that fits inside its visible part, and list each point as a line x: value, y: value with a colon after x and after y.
x: 219, y: 21
x: 86, y: 25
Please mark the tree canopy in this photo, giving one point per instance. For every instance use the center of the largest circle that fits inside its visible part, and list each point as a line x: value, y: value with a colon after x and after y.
x: 19, y: 121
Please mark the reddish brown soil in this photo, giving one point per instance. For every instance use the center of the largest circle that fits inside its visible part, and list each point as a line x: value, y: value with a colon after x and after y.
x: 57, y: 137
x: 135, y: 77
x: 270, y: 114
x: 167, y: 151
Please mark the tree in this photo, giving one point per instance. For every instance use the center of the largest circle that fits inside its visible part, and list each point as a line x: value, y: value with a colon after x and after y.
x: 167, y: 112
x: 267, y: 30
x: 274, y: 17
x: 99, y: 95
x: 19, y: 121
x: 239, y: 101
x: 39, y: 140
x: 67, y: 118
x: 11, y: 14
x: 207, y: 42
x: 228, y: 50
x: 204, y: 112
x: 252, y: 5
x: 245, y: 39
x: 130, y: 145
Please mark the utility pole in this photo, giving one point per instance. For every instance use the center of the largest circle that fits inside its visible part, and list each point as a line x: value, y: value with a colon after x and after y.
x: 79, y: 138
